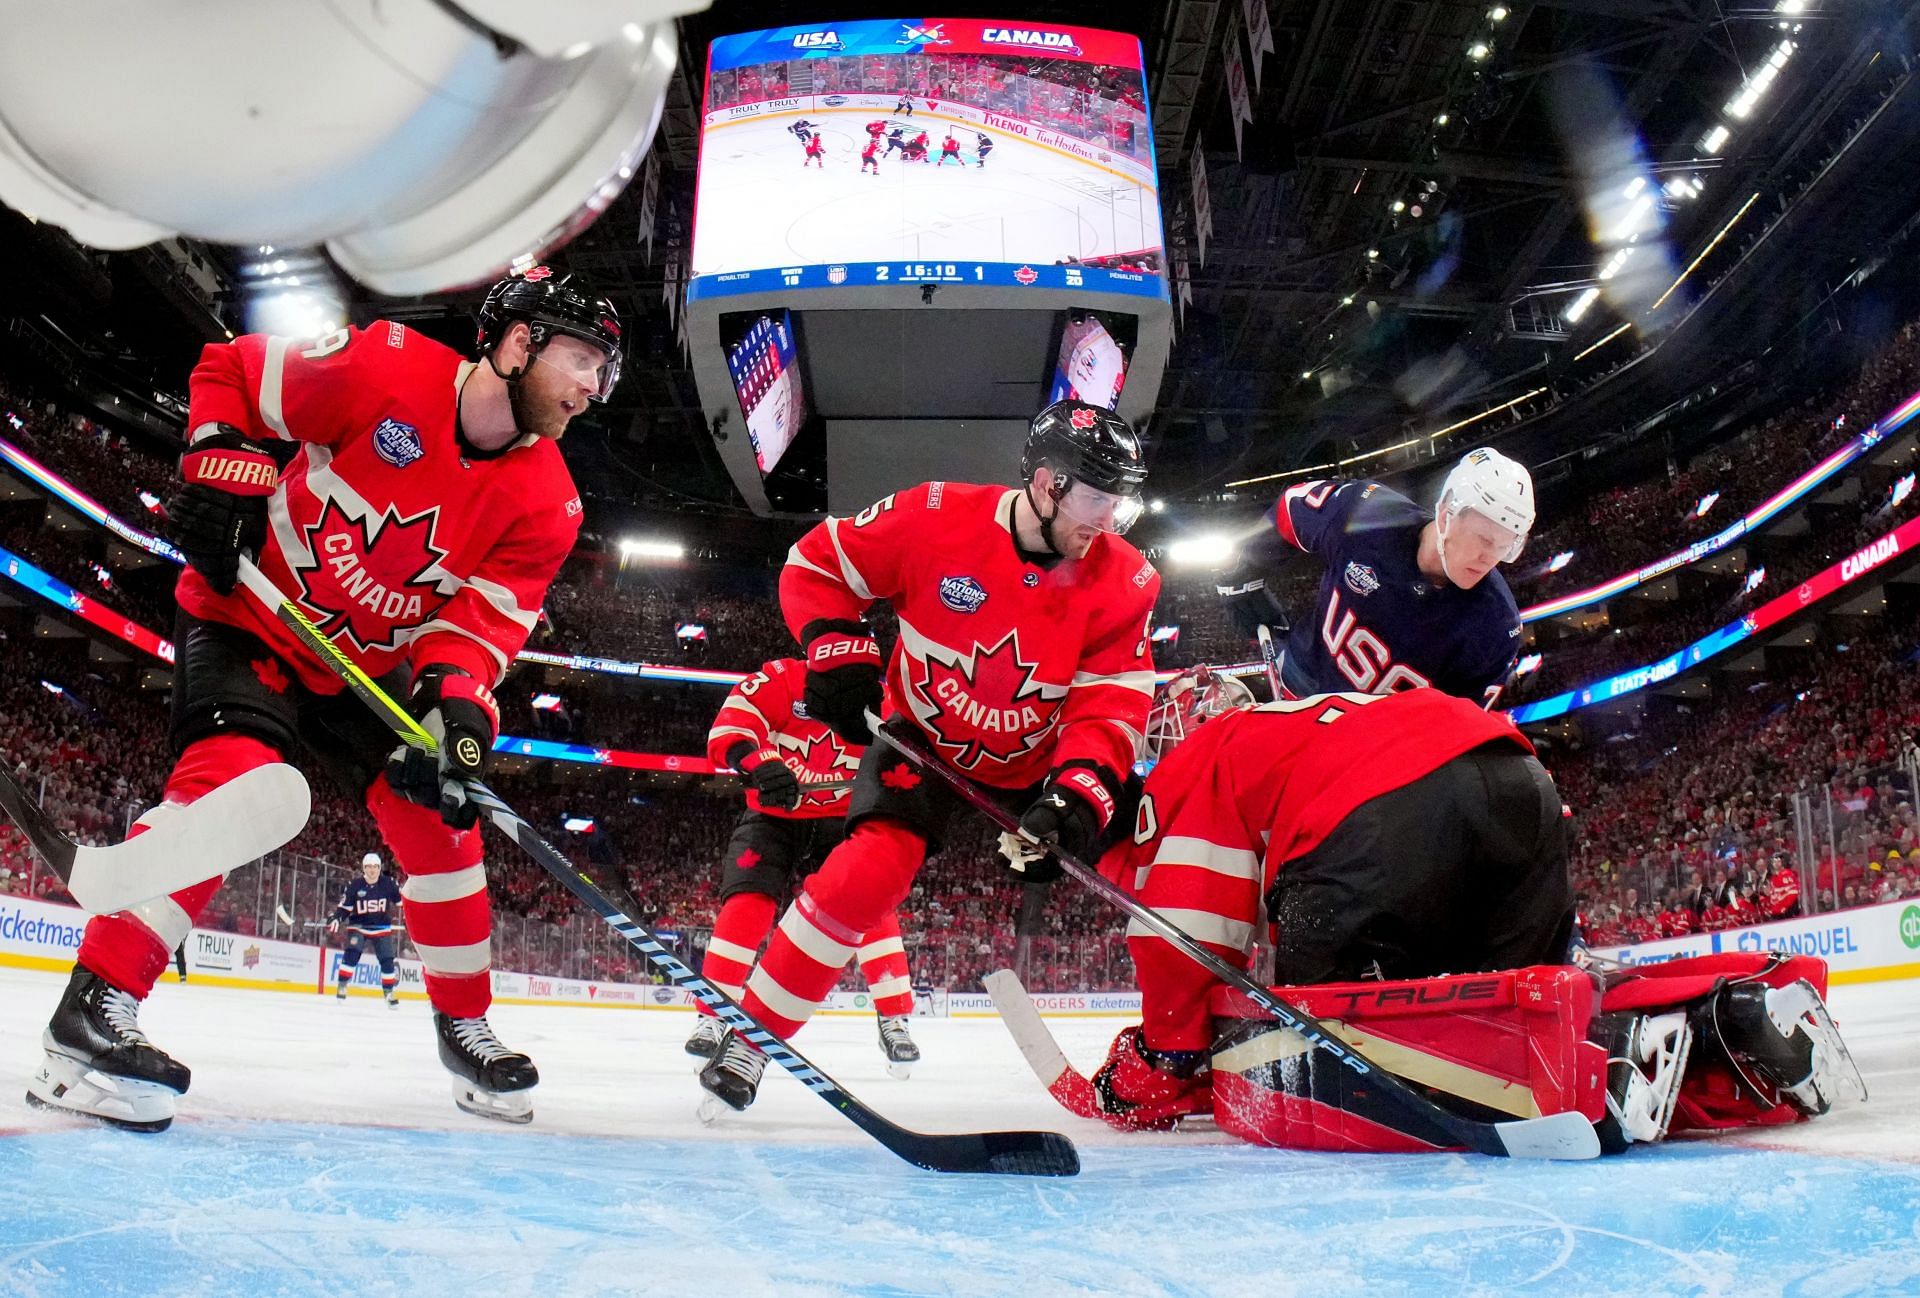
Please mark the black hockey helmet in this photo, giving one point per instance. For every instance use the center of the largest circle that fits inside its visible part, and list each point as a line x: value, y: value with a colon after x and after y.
x: 1085, y: 443
x: 551, y: 303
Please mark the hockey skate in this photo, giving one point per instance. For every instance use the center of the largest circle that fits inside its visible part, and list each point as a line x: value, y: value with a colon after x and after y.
x: 393, y: 999
x: 1784, y: 1037
x: 902, y: 1054
x: 341, y: 993
x: 706, y: 1038
x: 1646, y: 1060
x: 489, y: 1080
x: 732, y: 1076
x: 99, y: 1063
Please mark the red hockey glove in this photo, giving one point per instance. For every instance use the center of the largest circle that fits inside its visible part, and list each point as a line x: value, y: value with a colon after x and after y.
x: 771, y: 778
x: 1074, y: 805
x: 843, y: 676
x: 460, y: 714
x: 222, y: 509
x: 1140, y: 1089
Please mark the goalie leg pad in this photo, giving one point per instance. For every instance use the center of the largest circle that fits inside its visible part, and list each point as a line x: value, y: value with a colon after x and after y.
x: 1511, y: 1043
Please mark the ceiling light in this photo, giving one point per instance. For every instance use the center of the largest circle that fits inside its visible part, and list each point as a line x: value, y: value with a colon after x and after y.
x: 1479, y: 51
x: 635, y: 548
x: 1399, y: 205
x: 1498, y: 13
x: 1578, y: 307
x: 1715, y: 140
x: 1211, y: 550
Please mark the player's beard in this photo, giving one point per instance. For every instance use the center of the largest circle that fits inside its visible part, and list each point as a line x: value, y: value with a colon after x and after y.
x: 534, y: 399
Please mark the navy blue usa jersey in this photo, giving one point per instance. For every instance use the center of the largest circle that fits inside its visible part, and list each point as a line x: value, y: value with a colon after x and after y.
x: 370, y: 908
x: 1378, y: 623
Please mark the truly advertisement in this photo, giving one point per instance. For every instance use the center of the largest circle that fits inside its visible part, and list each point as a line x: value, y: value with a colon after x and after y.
x: 1861, y: 945
x: 989, y: 150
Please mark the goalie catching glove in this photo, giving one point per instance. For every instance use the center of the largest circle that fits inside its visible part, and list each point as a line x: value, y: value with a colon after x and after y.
x: 1073, y: 808
x: 843, y: 676
x: 460, y: 714
x: 772, y: 779
x: 221, y: 512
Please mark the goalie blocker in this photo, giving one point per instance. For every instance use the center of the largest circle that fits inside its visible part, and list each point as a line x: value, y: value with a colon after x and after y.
x: 1701, y: 1044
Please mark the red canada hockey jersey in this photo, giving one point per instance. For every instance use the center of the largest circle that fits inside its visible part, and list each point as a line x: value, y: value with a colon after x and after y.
x: 402, y: 543
x: 768, y: 709
x: 1248, y: 792
x: 1008, y: 667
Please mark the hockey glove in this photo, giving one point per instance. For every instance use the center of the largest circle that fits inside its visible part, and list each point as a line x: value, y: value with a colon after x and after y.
x: 1251, y: 605
x: 222, y: 509
x: 843, y: 676
x: 460, y: 714
x: 771, y: 778
x: 1074, y: 805
x: 1142, y: 1089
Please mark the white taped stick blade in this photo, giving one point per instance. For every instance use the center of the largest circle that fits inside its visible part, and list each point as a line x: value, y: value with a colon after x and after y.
x: 240, y: 821
x: 1029, y: 1033
x: 1558, y: 1135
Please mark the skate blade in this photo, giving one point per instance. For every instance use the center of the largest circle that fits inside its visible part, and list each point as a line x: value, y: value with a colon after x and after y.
x: 900, y: 1069
x: 65, y: 1085
x: 712, y: 1109
x: 501, y: 1106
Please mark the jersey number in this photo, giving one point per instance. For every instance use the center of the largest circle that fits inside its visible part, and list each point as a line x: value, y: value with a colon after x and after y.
x: 873, y: 511
x: 1331, y: 707
x: 1361, y: 656
x: 327, y: 345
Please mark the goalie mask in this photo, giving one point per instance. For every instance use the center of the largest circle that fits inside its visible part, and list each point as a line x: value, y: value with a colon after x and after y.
x: 1194, y: 696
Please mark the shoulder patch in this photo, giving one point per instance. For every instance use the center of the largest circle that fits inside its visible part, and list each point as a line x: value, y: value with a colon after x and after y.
x: 397, y: 443
x: 396, y: 334
x: 934, y: 492
x: 1145, y: 574
x: 962, y: 594
x: 574, y: 507
x: 1361, y: 579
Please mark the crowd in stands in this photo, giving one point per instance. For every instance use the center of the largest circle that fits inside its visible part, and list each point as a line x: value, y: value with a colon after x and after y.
x: 1635, y: 525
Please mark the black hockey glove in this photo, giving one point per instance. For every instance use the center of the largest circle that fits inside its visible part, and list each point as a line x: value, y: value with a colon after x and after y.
x: 771, y: 778
x: 843, y: 676
x: 222, y: 509
x: 1251, y: 605
x: 1074, y: 805
x: 460, y: 714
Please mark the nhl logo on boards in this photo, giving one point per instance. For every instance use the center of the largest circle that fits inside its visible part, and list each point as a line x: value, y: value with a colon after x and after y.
x: 962, y: 594
x: 1361, y: 579
x: 836, y: 274
x: 397, y: 443
x: 1026, y: 275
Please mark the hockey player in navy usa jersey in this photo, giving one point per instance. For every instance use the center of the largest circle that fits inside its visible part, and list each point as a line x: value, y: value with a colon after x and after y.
x: 370, y: 909
x: 1409, y: 598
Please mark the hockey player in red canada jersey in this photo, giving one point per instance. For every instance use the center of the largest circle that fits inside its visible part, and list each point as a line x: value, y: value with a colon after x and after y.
x: 1408, y: 852
x: 1409, y: 598
x: 798, y: 772
x: 1022, y: 661
x: 417, y: 506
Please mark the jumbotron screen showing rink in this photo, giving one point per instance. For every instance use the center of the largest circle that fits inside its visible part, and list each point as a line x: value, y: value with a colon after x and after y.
x: 1049, y: 179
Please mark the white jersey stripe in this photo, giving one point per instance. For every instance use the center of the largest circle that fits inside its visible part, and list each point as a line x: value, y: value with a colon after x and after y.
x: 410, y: 634
x: 729, y: 951
x: 272, y: 375
x: 1202, y: 926
x: 848, y: 573
x: 503, y: 602
x: 473, y: 958
x: 1233, y: 862
x: 800, y: 560
x: 451, y: 886
x: 1140, y: 682
x: 816, y: 944
x: 884, y: 947
x: 778, y: 998
x: 895, y: 986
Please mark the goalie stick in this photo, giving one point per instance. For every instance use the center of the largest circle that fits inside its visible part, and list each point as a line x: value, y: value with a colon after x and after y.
x: 1018, y: 1153
x: 228, y: 826
x: 1557, y: 1135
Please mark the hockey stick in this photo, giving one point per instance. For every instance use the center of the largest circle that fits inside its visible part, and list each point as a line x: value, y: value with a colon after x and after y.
x: 1270, y: 658
x: 1558, y: 1135
x: 1063, y: 1081
x: 239, y: 821
x: 1020, y: 1153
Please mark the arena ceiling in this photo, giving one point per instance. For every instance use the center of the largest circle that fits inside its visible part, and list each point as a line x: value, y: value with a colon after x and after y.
x: 1421, y: 195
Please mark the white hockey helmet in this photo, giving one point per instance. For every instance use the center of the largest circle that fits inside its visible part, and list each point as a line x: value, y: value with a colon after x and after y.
x: 1192, y: 697
x: 1491, y: 484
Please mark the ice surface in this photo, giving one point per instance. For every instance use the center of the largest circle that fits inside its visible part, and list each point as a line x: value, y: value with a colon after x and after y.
x: 759, y: 207
x: 319, y: 1153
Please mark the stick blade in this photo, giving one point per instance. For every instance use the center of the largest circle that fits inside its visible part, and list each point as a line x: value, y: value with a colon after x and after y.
x: 240, y: 821
x: 1558, y: 1136
x: 1004, y: 1153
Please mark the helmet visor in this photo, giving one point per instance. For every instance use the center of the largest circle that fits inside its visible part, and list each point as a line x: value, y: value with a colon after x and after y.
x: 1478, y: 532
x: 1091, y: 507
x: 586, y: 363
